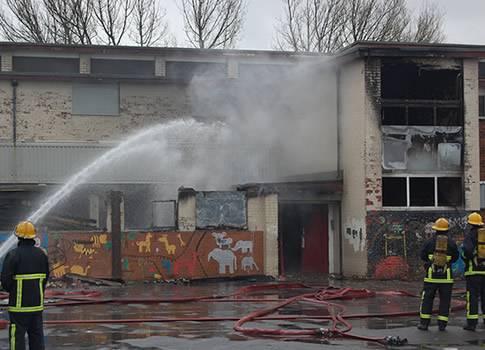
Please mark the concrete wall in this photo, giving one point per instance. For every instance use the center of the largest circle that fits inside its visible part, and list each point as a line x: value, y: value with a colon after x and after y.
x: 472, y: 135
x: 352, y: 112
x: 263, y: 215
x: 44, y: 111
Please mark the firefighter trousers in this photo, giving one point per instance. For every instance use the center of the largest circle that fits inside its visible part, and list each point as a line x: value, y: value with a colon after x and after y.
x: 26, y: 322
x: 475, y: 290
x: 427, y: 297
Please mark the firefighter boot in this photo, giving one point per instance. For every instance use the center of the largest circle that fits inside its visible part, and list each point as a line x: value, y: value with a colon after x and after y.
x: 423, y: 325
x: 470, y: 326
x: 442, y: 325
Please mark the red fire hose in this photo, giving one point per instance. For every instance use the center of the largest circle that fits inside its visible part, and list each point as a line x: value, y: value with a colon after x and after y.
x: 319, y: 296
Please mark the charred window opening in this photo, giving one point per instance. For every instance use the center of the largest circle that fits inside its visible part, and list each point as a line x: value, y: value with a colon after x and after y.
x: 394, y: 192
x: 402, y: 79
x: 421, y: 192
x: 394, y: 116
x: 420, y: 116
x: 450, y: 192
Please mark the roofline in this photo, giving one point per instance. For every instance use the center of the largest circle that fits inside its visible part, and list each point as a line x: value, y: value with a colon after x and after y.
x: 403, y: 49
x: 164, y: 51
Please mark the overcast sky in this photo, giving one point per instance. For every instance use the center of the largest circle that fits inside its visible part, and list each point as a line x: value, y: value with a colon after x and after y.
x: 464, y: 21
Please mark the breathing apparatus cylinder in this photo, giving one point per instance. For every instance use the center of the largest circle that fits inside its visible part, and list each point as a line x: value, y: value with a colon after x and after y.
x: 439, y: 255
x: 481, y: 247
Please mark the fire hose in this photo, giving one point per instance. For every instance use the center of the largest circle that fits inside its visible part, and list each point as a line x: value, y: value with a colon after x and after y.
x: 320, y: 296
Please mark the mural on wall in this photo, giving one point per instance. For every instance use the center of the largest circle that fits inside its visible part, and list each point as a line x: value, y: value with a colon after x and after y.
x: 395, y: 238
x: 199, y: 254
x: 80, y: 253
x: 159, y: 255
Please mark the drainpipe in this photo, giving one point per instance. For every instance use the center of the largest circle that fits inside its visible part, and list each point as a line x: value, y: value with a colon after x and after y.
x: 14, y: 112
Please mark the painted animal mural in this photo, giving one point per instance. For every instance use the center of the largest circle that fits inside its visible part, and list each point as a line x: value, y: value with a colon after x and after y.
x: 170, y: 248
x: 59, y: 270
x: 248, y: 264
x: 82, y: 250
x: 181, y: 241
x: 221, y: 240
x: 244, y: 246
x: 79, y: 270
x: 225, y: 258
x: 99, y: 240
x: 146, y: 244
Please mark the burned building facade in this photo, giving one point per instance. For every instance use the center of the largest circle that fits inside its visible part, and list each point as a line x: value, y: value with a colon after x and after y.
x: 342, y: 162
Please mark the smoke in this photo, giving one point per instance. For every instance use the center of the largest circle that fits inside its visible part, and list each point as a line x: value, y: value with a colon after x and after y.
x: 273, y: 122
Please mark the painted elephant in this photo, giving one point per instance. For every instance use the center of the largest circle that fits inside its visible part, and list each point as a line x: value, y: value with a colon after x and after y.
x: 248, y: 264
x: 225, y: 258
x: 244, y: 246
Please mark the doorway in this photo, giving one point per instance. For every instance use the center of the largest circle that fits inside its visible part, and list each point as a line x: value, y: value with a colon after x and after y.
x: 303, y: 238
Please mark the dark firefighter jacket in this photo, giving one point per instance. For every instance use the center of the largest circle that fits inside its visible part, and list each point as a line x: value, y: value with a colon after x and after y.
x: 426, y: 255
x: 24, y: 275
x: 470, y: 253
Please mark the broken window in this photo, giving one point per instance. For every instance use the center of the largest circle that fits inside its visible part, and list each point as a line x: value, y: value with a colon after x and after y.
x: 427, y: 148
x: 420, y: 116
x: 163, y: 214
x: 405, y: 79
x: 394, y: 192
x: 450, y: 192
x: 422, y: 191
x: 394, y: 116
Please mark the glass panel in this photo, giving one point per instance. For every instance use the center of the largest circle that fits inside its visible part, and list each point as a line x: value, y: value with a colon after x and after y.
x: 450, y: 192
x: 394, y: 192
x: 421, y: 192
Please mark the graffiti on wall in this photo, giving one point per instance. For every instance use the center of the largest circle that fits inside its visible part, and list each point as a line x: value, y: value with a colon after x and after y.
x: 395, y: 238
x: 199, y: 254
x: 355, y: 234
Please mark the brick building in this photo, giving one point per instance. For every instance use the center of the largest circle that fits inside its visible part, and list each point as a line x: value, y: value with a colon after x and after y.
x: 397, y: 141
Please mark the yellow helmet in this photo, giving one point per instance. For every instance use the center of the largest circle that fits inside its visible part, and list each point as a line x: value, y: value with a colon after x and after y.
x: 25, y: 229
x: 475, y: 219
x: 441, y: 225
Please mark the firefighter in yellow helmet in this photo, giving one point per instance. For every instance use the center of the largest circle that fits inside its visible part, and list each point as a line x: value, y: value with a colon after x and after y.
x: 24, y: 275
x: 438, y: 253
x: 474, y: 257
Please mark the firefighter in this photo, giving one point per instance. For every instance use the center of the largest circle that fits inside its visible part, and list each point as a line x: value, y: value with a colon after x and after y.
x: 474, y: 257
x: 24, y: 276
x: 438, y: 254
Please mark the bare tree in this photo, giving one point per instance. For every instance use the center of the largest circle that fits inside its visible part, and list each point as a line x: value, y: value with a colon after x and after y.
x: 149, y: 26
x: 312, y: 25
x: 23, y: 20
x: 72, y: 20
x: 213, y: 23
x: 428, y: 25
x: 113, y: 19
x: 328, y: 25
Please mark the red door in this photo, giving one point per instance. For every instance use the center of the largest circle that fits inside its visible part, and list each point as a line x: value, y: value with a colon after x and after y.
x: 315, y: 241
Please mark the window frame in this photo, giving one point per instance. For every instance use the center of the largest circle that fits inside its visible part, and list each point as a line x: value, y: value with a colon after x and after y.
x: 408, y: 194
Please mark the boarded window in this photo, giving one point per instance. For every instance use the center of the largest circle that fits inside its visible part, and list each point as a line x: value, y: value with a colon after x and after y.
x: 163, y: 214
x: 123, y: 67
x: 220, y: 210
x: 45, y: 65
x: 188, y: 70
x: 96, y: 99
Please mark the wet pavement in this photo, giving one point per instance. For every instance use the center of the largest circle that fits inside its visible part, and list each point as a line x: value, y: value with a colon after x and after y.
x: 220, y: 335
